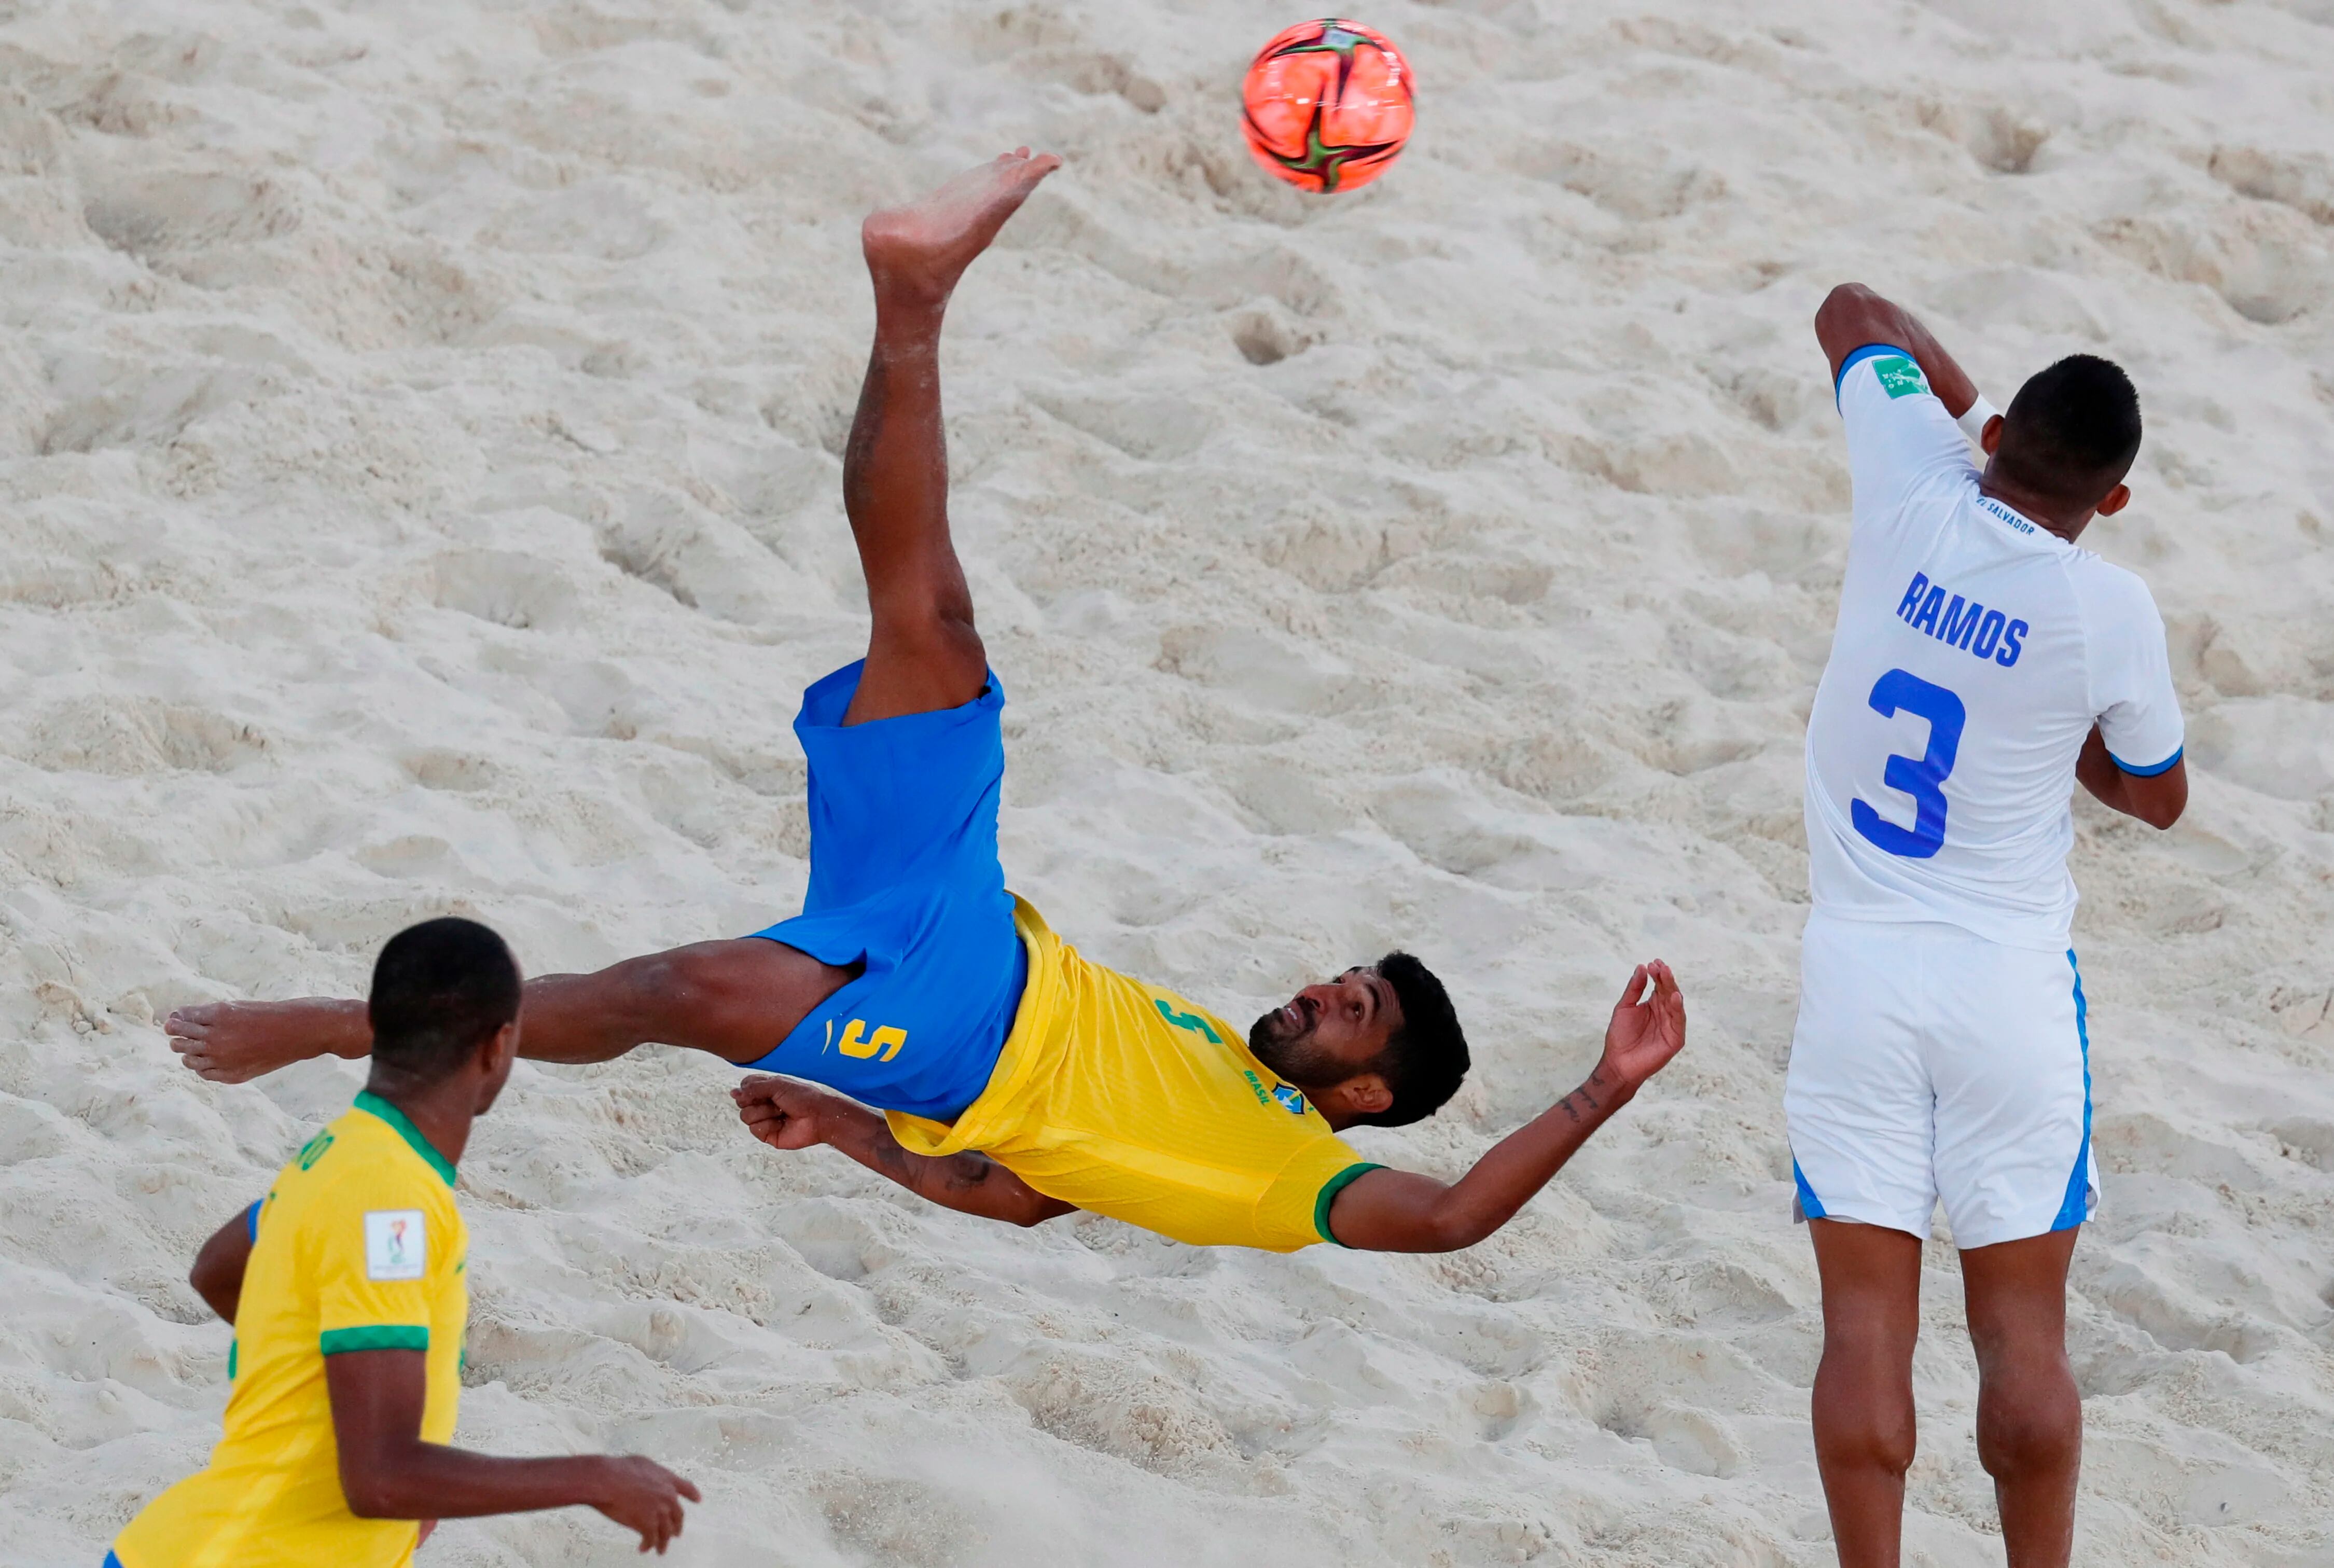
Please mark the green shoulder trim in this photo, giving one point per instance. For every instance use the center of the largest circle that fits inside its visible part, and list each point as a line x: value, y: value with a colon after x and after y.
x: 372, y: 1104
x: 1329, y: 1191
x: 376, y: 1337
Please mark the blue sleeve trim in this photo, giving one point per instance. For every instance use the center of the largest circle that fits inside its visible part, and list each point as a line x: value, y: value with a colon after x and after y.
x: 2163, y: 767
x: 1869, y: 351
x: 251, y: 1220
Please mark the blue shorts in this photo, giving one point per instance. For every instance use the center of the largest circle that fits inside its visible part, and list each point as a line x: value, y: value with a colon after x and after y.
x: 905, y: 878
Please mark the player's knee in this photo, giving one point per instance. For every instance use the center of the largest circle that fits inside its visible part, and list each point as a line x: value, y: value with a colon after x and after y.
x: 952, y: 630
x: 926, y: 617
x: 679, y: 978
x: 933, y: 634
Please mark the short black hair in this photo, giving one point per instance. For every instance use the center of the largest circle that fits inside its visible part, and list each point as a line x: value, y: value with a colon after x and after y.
x: 2072, y: 431
x: 1424, y: 1060
x: 440, y: 990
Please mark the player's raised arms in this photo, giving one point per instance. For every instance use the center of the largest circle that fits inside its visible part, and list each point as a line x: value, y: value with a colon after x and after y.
x: 1853, y: 317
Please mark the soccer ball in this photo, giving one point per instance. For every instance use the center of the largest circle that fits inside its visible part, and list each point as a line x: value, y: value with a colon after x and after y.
x: 1329, y: 105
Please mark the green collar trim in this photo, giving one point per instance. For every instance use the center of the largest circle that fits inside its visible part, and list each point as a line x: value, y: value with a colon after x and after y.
x: 372, y: 1104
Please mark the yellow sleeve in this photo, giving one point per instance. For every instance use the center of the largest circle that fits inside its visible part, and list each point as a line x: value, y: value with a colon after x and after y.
x: 1295, y: 1210
x: 378, y: 1254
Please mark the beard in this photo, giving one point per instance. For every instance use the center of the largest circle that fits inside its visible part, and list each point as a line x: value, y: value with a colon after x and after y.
x: 1292, y: 1056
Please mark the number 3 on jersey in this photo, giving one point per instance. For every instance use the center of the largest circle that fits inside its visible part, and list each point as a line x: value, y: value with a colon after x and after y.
x: 1925, y: 778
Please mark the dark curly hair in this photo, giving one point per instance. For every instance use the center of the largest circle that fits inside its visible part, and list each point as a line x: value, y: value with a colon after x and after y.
x: 1424, y: 1060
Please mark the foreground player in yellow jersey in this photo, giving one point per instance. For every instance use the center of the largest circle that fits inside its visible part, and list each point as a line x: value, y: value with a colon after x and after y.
x: 1018, y: 1079
x: 347, y: 1289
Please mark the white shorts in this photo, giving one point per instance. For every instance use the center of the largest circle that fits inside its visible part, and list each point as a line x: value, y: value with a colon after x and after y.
x: 1930, y: 1063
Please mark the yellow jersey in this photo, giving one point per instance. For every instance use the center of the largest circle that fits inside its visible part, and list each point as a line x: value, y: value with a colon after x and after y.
x: 359, y: 1247
x: 1126, y: 1100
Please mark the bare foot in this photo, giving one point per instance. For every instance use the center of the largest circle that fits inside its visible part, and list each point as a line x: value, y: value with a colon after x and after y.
x: 237, y: 1041
x: 918, y: 251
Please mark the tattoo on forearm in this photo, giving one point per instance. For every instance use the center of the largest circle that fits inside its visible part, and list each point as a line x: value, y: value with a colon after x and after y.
x: 1597, y: 1077
x: 1565, y: 1104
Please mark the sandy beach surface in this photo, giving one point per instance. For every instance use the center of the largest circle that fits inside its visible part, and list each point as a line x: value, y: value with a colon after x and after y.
x: 419, y: 434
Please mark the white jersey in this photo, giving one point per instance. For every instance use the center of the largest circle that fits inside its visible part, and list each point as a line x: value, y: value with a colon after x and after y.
x: 1975, y: 651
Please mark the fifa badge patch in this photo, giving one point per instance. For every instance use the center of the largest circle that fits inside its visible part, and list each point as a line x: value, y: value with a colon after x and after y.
x: 396, y: 1244
x: 1899, y: 376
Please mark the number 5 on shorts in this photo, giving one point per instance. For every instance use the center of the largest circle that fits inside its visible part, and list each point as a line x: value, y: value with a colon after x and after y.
x: 886, y: 1040
x: 1923, y: 779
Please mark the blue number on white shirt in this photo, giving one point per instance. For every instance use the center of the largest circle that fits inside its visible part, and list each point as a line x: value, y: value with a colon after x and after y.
x: 1923, y: 779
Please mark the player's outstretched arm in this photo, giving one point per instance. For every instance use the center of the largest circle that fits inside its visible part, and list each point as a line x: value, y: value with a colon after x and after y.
x: 217, y: 1273
x: 1852, y: 316
x: 787, y: 1113
x: 1391, y: 1211
x: 388, y: 1472
x: 2156, y: 799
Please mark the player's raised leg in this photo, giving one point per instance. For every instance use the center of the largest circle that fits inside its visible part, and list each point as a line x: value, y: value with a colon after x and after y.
x: 2030, y: 1414
x: 740, y: 998
x: 922, y: 651
x: 1863, y: 1409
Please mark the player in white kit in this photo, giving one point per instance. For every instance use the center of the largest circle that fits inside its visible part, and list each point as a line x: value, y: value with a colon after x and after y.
x: 1983, y: 666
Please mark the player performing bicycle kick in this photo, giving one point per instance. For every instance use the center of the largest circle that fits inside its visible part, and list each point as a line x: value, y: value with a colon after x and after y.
x: 1017, y: 1079
x: 1983, y: 666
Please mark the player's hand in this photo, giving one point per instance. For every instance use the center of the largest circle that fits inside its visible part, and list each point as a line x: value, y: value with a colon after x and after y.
x: 1648, y: 1026
x: 784, y: 1112
x: 642, y: 1494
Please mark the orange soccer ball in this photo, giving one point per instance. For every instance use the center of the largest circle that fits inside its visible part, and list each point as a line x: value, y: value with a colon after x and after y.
x: 1329, y: 105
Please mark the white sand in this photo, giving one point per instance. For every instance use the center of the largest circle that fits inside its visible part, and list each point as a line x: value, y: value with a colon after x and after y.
x: 418, y: 433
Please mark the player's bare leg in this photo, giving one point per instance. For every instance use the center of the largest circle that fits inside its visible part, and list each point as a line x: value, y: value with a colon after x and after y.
x: 2030, y: 1415
x: 737, y: 999
x: 922, y: 651
x: 1862, y: 1406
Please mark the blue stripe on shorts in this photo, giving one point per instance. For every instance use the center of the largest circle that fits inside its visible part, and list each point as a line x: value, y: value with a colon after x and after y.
x: 2075, y: 1207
